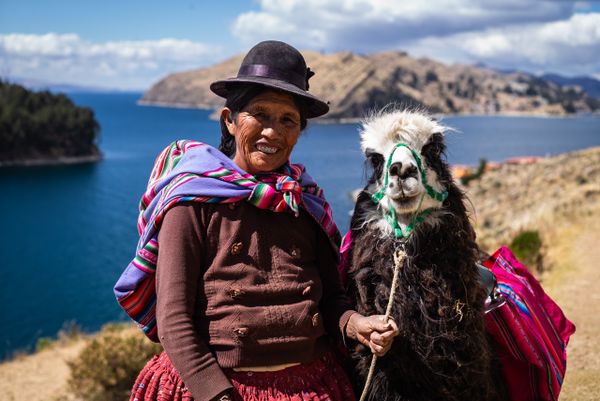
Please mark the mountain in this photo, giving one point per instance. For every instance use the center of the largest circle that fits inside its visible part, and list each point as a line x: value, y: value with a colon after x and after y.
x: 590, y: 85
x: 355, y: 84
x: 40, y: 85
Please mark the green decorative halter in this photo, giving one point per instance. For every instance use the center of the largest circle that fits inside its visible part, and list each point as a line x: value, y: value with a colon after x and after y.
x: 418, y: 217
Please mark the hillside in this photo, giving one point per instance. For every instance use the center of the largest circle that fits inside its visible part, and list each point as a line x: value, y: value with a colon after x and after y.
x: 551, y: 193
x: 557, y: 196
x: 354, y: 84
x: 44, y: 128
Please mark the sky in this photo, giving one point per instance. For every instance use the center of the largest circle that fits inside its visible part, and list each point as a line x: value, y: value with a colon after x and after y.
x: 131, y: 44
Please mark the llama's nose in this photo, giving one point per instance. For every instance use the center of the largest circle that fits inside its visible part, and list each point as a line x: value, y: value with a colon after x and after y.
x: 396, y: 169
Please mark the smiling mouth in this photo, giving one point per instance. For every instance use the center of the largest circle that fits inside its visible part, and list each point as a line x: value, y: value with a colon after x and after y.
x: 266, y: 149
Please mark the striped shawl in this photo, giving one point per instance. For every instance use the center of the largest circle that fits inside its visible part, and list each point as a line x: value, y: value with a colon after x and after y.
x: 189, y: 171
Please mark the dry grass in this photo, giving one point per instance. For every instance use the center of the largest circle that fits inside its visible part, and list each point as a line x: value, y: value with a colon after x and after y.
x: 38, y: 377
x: 43, y: 375
x: 559, y: 198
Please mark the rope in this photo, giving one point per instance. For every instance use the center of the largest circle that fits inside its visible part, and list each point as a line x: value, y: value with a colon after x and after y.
x: 399, y: 256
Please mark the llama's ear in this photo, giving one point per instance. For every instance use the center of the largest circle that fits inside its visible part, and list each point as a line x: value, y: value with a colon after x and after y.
x: 369, y: 152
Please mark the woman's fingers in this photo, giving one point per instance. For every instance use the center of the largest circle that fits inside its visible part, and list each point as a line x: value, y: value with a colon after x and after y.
x: 373, y: 332
x: 380, y: 350
x: 382, y: 336
x: 376, y: 349
x: 378, y: 323
x: 383, y: 339
x: 393, y: 326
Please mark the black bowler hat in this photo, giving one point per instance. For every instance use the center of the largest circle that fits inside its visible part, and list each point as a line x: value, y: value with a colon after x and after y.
x: 276, y: 65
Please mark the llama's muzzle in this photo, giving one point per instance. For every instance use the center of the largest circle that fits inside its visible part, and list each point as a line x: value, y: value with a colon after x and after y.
x: 403, y: 181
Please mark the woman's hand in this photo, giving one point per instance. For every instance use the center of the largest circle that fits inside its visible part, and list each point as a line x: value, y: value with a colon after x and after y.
x: 373, y: 332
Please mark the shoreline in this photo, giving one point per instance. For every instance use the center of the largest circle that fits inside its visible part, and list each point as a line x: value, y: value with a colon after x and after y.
x: 357, y: 120
x: 60, y: 161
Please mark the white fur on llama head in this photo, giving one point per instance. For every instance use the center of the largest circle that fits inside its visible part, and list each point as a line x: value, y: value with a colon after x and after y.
x: 380, y: 134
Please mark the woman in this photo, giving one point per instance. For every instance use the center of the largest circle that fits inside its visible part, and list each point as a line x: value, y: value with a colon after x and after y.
x: 248, y: 301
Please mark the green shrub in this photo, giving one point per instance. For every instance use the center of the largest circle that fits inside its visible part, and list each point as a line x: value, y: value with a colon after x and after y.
x: 527, y: 246
x: 43, y: 343
x: 107, y: 367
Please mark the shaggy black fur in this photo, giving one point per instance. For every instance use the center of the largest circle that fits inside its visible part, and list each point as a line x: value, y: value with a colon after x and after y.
x: 442, y: 352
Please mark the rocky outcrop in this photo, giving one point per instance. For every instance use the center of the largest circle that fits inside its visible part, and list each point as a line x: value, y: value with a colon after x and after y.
x: 355, y: 84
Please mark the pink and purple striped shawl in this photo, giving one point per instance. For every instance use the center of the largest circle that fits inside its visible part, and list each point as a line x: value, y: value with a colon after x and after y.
x: 190, y: 171
x: 531, y: 330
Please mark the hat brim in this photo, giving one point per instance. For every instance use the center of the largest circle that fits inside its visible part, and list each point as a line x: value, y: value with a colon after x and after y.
x: 315, y: 107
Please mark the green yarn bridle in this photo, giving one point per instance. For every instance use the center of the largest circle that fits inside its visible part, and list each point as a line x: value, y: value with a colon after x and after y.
x: 418, y: 216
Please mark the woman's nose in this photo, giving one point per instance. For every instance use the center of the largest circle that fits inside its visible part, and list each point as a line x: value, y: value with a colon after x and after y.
x: 271, y: 130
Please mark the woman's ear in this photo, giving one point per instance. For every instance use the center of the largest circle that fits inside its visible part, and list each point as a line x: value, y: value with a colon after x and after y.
x: 227, y: 116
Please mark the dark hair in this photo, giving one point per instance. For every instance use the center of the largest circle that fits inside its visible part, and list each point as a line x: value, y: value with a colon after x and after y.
x: 236, y: 101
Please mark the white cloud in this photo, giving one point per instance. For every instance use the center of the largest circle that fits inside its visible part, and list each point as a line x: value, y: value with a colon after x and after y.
x: 570, y: 46
x: 367, y: 25
x: 562, y: 36
x: 67, y: 58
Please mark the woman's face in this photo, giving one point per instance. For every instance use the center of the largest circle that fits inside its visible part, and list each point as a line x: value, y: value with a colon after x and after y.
x: 265, y: 130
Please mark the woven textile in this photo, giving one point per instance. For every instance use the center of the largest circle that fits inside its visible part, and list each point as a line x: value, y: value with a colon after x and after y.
x: 531, y: 330
x: 190, y: 171
x: 320, y: 380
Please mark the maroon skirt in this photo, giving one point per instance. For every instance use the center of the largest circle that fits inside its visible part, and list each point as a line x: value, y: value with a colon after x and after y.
x: 320, y: 380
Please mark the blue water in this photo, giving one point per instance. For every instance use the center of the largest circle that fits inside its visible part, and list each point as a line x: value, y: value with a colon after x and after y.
x: 68, y: 231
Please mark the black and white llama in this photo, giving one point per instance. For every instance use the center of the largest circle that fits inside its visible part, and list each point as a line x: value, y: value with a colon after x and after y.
x: 411, y: 205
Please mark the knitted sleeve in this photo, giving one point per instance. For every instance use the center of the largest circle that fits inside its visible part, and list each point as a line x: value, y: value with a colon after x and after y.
x: 178, y: 274
x: 334, y: 305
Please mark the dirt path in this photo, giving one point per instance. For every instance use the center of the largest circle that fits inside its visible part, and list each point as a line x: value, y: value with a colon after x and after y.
x: 38, y: 377
x: 573, y: 283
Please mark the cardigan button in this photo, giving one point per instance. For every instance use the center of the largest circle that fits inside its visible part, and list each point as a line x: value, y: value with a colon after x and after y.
x: 306, y: 291
x: 235, y: 292
x: 316, y: 319
x: 241, y: 331
x: 295, y: 252
x: 236, y: 248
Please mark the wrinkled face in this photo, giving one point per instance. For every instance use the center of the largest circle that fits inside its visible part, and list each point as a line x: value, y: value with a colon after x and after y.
x: 265, y: 131
x: 405, y: 189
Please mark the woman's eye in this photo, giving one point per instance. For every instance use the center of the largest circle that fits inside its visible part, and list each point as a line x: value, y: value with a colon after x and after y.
x: 290, y: 122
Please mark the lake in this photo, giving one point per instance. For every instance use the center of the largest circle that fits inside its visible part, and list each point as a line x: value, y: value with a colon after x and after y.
x: 68, y: 231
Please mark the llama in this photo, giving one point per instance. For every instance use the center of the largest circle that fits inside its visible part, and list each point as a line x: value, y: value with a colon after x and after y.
x: 411, y: 203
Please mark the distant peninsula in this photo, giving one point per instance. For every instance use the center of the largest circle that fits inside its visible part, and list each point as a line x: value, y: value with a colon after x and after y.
x: 355, y: 84
x: 41, y: 128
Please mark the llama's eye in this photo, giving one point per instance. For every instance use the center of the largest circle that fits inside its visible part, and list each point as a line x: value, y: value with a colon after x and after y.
x: 376, y: 162
x: 376, y: 159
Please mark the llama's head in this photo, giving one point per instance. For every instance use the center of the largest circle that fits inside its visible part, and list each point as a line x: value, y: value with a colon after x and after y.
x: 405, y: 150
